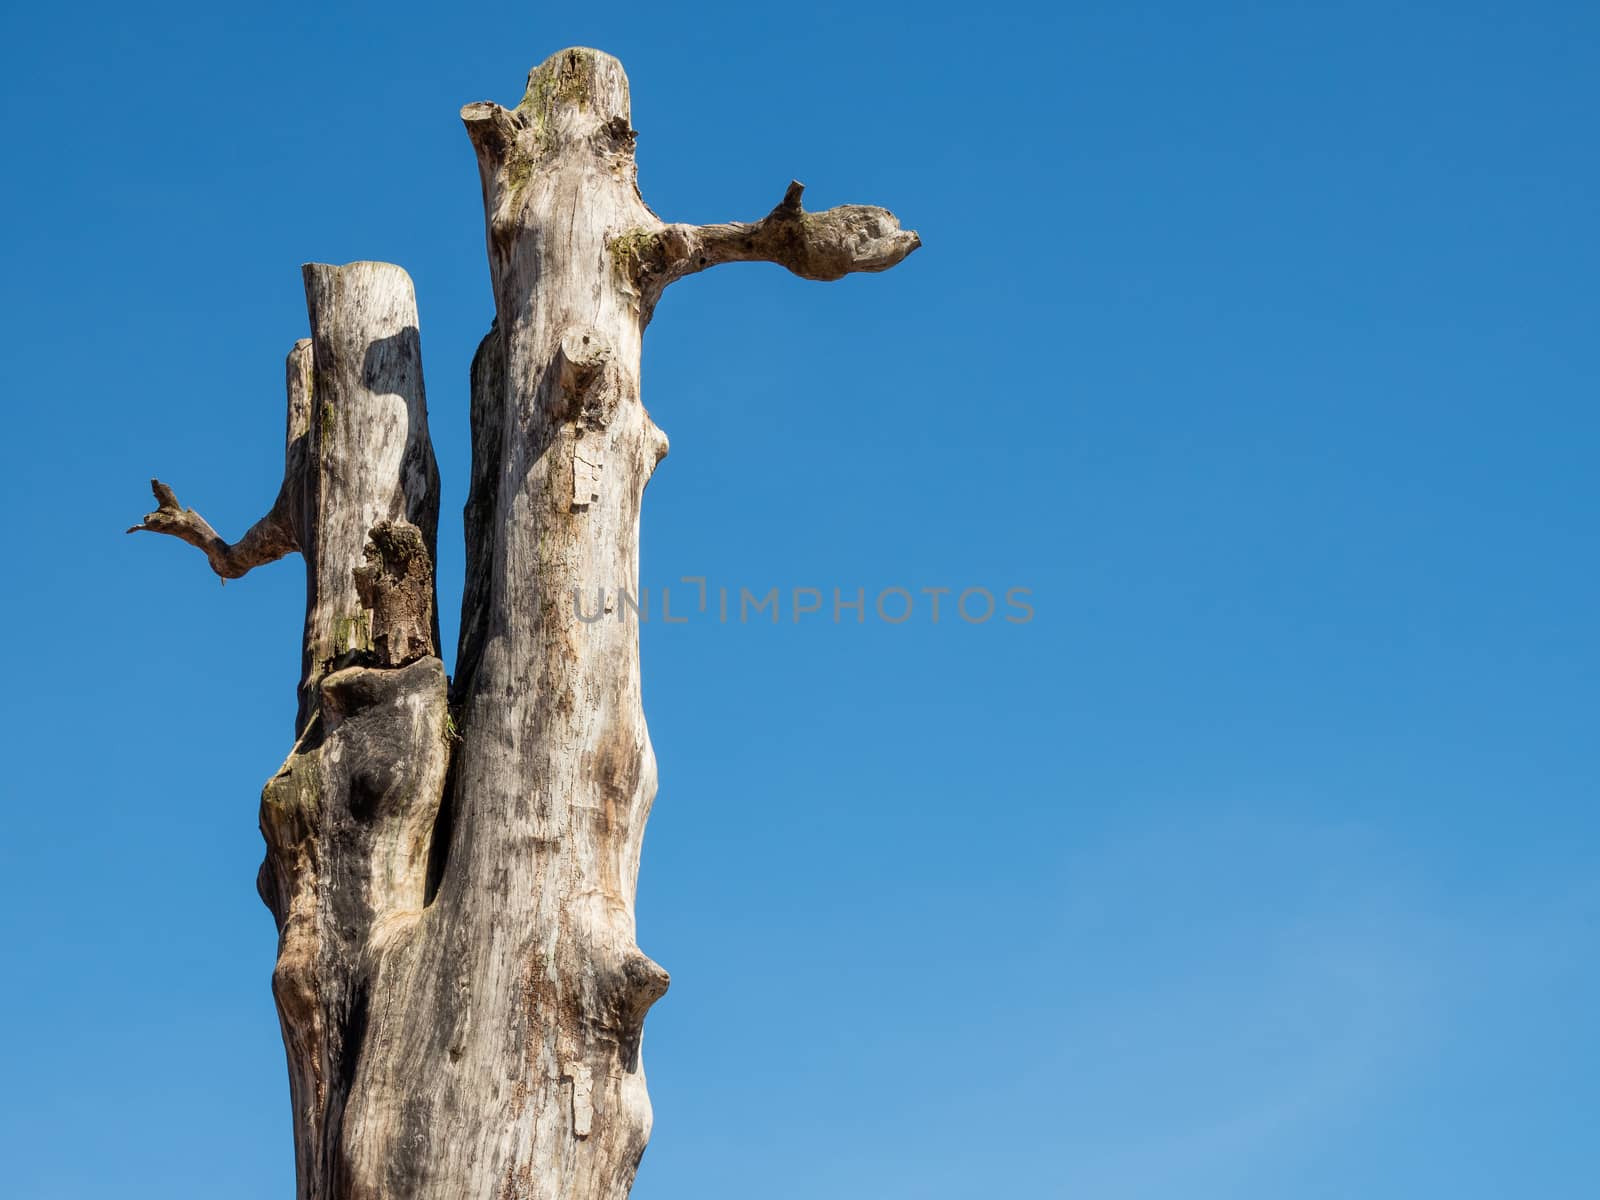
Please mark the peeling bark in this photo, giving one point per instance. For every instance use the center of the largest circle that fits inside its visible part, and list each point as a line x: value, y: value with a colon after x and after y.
x: 396, y: 584
x: 461, y: 991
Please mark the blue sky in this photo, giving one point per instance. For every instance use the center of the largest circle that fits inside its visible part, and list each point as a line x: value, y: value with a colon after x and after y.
x: 1256, y: 340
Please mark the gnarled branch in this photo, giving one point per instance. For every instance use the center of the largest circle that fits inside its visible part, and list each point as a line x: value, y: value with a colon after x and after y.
x: 821, y: 245
x: 268, y: 540
x: 272, y: 537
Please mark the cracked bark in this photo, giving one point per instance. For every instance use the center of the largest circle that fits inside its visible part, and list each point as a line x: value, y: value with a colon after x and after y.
x: 460, y: 987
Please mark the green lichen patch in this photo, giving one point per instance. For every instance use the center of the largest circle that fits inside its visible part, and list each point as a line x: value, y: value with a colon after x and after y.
x: 636, y: 253
x: 565, y: 78
x: 291, y: 799
x: 518, y: 169
x: 353, y: 632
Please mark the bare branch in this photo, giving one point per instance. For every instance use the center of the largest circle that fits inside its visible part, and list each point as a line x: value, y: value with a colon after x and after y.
x: 824, y: 246
x: 268, y: 540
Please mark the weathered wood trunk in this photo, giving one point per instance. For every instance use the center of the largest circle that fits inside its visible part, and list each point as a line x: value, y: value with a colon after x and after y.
x: 461, y: 992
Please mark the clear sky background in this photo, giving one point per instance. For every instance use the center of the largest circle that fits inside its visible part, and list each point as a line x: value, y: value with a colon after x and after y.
x: 1258, y: 340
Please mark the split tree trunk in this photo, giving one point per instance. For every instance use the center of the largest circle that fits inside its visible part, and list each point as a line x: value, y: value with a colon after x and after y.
x: 461, y: 993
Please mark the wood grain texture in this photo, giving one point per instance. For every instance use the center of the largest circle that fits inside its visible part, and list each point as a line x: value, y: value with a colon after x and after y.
x: 349, y: 818
x: 460, y: 986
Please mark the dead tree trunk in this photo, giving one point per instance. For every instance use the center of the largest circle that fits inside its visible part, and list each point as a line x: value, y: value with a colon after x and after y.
x: 461, y: 993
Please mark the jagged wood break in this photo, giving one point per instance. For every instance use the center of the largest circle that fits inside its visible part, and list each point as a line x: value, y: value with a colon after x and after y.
x: 461, y: 993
